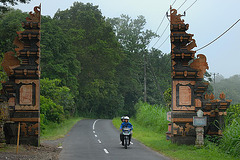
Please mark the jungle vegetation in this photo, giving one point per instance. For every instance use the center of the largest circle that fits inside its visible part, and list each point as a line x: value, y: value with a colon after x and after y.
x: 93, y: 66
x: 97, y: 60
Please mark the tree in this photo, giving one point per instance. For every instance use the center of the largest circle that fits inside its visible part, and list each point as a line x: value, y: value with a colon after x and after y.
x: 50, y: 111
x: 60, y: 95
x: 159, y: 79
x: 3, y: 75
x: 134, y: 39
x: 10, y: 22
x: 93, y: 42
x: 6, y: 3
x: 58, y: 61
x: 230, y: 87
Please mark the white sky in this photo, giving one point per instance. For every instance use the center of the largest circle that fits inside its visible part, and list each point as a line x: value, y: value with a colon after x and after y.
x: 207, y: 20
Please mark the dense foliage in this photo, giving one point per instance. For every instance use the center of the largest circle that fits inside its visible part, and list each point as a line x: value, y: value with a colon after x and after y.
x: 230, y: 86
x: 10, y: 22
x: 92, y: 66
x: 152, y: 116
x: 3, y: 75
x: 5, y: 3
x: 97, y: 61
x: 134, y: 40
x: 57, y: 103
x: 230, y: 143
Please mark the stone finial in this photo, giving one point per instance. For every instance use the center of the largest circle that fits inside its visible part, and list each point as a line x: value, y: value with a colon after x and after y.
x: 211, y: 96
x: 35, y: 16
x: 206, y: 96
x: 200, y: 113
x: 222, y: 96
x: 176, y: 18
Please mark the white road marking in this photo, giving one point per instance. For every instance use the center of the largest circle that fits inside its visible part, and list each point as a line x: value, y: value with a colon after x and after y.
x: 94, y: 124
x: 93, y: 131
x: 99, y: 141
x: 95, y: 135
x: 106, y: 151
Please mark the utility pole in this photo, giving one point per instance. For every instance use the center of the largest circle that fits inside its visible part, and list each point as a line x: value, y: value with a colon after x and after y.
x: 214, y: 81
x: 145, y: 78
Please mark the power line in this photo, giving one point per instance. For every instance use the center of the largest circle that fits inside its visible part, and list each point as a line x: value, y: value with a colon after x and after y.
x: 219, y: 36
x: 161, y: 34
x: 160, y: 25
x: 182, y: 4
x: 164, y: 16
x: 172, y: 4
x: 191, y: 5
x: 169, y: 20
x: 164, y: 41
x: 168, y: 25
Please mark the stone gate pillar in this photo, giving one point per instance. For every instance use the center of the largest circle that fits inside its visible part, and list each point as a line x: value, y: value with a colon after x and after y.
x: 187, y: 81
x: 23, y: 87
x: 188, y: 86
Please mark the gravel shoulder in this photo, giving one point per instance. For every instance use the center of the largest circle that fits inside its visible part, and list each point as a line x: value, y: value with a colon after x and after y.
x: 48, y: 150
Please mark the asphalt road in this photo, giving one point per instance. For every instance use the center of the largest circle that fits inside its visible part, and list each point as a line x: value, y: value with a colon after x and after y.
x: 99, y: 140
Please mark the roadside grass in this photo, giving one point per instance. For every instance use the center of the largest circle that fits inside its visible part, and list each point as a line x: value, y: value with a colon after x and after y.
x: 158, y: 142
x: 54, y: 131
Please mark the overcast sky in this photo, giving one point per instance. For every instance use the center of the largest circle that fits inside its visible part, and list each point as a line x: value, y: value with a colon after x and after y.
x: 207, y: 20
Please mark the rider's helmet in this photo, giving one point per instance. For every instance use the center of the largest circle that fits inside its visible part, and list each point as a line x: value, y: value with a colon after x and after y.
x: 126, y: 117
x: 122, y: 118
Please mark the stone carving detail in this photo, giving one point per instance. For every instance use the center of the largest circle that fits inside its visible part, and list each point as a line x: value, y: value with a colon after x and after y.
x: 191, y: 45
x: 222, y: 96
x: 26, y: 95
x: 10, y: 62
x: 36, y: 16
x: 176, y: 18
x: 200, y: 64
x: 185, y: 95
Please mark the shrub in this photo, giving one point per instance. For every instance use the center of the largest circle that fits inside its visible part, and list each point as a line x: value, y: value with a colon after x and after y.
x: 230, y: 142
x: 51, y: 111
x: 152, y: 116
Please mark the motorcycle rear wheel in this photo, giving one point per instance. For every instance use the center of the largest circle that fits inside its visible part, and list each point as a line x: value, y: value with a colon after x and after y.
x: 125, y: 142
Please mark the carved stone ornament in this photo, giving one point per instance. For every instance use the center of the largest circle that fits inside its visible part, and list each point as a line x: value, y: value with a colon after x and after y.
x: 206, y: 96
x: 10, y: 62
x: 211, y: 96
x: 200, y: 64
x: 36, y: 16
x: 222, y: 96
x: 191, y: 45
x: 176, y: 18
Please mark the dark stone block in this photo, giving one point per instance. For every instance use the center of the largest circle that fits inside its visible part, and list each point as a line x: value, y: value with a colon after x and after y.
x: 188, y: 140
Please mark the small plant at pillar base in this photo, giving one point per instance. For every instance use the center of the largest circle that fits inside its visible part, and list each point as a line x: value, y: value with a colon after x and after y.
x: 230, y: 142
x: 232, y: 112
x: 215, y: 139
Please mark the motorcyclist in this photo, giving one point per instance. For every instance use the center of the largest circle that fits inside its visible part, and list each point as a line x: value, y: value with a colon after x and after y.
x: 126, y: 124
x: 122, y: 118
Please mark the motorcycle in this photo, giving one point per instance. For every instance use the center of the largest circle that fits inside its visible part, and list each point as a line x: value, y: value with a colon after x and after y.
x: 126, y: 137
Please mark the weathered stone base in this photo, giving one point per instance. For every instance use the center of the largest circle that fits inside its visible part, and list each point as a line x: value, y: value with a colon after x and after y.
x: 188, y: 140
x: 28, y: 133
x: 2, y: 135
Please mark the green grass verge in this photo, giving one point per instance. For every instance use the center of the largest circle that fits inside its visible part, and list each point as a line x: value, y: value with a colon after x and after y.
x: 54, y: 131
x: 158, y: 142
